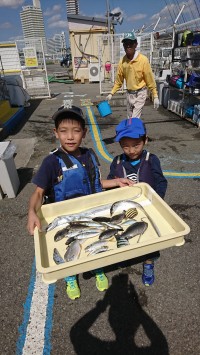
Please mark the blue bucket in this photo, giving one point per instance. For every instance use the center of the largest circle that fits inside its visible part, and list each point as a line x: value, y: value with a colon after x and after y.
x: 104, y: 108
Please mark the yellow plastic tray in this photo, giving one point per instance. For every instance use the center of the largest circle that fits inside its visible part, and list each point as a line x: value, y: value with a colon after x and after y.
x: 172, y: 229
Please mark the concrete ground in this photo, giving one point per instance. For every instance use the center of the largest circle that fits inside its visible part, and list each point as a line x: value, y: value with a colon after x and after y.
x: 128, y: 318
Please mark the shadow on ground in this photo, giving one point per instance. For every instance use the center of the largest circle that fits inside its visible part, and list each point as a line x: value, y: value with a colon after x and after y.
x: 25, y: 176
x: 125, y: 317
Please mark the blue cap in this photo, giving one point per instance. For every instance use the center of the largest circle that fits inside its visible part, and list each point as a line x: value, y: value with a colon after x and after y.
x: 129, y: 36
x: 131, y: 128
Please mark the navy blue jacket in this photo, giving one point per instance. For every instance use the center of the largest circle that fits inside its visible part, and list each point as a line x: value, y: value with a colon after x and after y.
x: 147, y: 169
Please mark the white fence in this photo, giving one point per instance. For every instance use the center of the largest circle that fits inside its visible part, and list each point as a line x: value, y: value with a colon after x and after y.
x: 26, y: 58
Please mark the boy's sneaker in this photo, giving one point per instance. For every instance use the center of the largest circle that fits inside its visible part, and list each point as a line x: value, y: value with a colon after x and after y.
x: 72, y: 289
x: 101, y: 281
x: 148, y: 274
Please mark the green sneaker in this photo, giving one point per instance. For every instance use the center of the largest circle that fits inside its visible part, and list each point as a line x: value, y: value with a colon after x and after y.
x: 72, y: 289
x: 101, y: 281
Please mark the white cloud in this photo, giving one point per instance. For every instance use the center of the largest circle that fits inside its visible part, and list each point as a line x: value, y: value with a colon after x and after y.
x: 5, y: 25
x: 56, y: 21
x: 58, y: 24
x: 54, y: 18
x: 136, y: 17
x: 169, y: 13
x: 11, y: 3
x: 50, y: 11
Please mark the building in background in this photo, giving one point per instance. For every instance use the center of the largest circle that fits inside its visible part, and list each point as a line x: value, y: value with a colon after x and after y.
x: 84, y: 32
x: 33, y: 23
x: 72, y: 7
x: 56, y: 46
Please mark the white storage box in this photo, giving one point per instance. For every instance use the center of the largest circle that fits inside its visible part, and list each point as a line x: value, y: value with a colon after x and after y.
x: 176, y: 107
x: 9, y: 180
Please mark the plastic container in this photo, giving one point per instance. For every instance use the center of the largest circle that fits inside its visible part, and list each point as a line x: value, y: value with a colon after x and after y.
x: 196, y: 115
x: 108, y: 67
x: 172, y: 229
x: 165, y: 95
x: 104, y: 108
x: 9, y: 180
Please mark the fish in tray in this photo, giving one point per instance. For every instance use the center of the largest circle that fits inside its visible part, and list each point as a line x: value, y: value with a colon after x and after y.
x: 121, y: 241
x: 57, y: 257
x: 99, y: 250
x: 118, y: 218
x: 60, y: 220
x: 90, y: 233
x: 88, y: 224
x: 95, y: 246
x: 87, y: 215
x: 107, y: 234
x: 127, y: 204
x: 101, y: 219
x: 112, y: 226
x: 137, y: 228
x: 73, y: 251
x: 62, y: 233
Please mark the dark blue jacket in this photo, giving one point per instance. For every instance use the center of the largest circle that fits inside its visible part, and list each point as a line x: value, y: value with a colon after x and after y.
x: 147, y: 170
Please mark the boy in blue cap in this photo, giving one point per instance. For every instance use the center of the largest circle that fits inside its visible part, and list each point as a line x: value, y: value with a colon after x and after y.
x: 138, y: 165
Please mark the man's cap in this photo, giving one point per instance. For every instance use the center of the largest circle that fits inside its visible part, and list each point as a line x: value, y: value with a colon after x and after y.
x: 129, y: 36
x: 130, y: 128
x: 73, y: 112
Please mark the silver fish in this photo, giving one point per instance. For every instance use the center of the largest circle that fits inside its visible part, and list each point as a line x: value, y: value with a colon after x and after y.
x: 107, y: 234
x: 57, y: 257
x: 61, y: 234
x: 118, y: 218
x: 73, y: 251
x: 65, y: 219
x: 121, y: 241
x: 89, y: 224
x: 84, y: 216
x: 112, y: 226
x: 137, y: 228
x: 125, y: 204
x: 99, y: 250
x: 90, y: 233
x: 69, y: 240
x: 74, y: 232
x: 95, y: 245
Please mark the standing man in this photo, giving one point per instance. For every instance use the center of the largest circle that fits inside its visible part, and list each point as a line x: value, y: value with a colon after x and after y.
x: 135, y: 68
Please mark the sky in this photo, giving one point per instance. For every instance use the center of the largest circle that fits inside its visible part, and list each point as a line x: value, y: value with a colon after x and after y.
x: 135, y: 14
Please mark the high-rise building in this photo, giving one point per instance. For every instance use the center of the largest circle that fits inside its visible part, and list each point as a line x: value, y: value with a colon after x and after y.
x: 72, y: 7
x: 33, y: 22
x: 57, y: 44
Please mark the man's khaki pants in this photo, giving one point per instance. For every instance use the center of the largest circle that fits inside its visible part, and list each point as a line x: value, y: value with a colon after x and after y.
x: 135, y: 103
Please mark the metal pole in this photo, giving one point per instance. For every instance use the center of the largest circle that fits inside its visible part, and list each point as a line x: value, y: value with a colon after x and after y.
x: 108, y: 17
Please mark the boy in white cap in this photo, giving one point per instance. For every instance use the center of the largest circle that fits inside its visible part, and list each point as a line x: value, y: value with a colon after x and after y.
x: 135, y: 68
